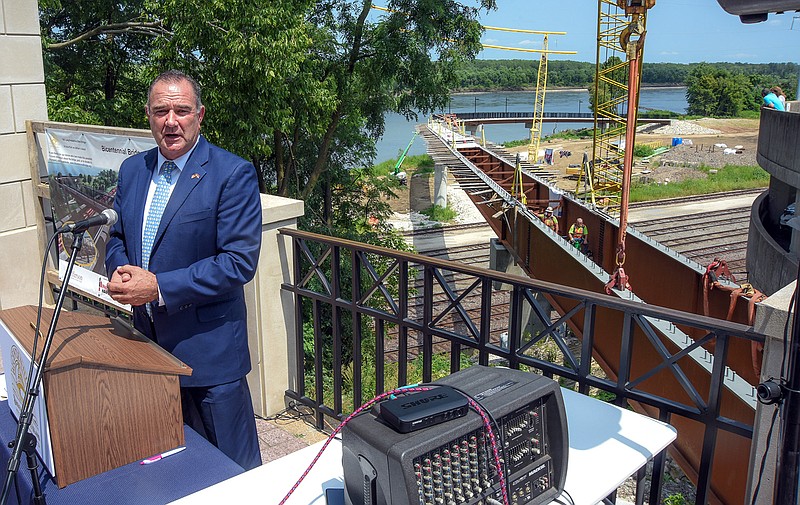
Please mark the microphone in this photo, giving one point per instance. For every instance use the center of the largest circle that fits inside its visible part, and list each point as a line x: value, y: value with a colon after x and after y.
x: 108, y: 216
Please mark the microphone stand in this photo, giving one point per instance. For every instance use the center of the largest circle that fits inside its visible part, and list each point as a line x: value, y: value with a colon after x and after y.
x: 24, y: 440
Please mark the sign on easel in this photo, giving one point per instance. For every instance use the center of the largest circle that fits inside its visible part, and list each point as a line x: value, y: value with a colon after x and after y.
x: 17, y: 365
x: 83, y: 169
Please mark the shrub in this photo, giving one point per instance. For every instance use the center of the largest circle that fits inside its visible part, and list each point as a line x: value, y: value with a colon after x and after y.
x: 643, y: 151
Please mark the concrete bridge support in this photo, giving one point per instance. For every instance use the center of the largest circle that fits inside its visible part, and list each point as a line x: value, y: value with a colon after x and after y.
x: 500, y: 260
x: 440, y: 185
x: 771, y: 319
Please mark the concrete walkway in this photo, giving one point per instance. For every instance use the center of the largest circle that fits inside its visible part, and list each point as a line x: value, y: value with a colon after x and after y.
x: 686, y: 209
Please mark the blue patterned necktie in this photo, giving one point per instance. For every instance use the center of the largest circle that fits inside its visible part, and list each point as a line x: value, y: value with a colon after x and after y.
x: 157, y: 205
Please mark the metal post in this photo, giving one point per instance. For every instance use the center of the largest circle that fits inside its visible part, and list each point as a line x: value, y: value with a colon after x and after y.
x: 476, y: 105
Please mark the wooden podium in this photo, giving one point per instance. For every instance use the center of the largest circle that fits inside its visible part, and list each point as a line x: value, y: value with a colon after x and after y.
x: 112, y: 396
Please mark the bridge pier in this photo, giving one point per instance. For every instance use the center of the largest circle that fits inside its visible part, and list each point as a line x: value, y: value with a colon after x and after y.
x: 440, y: 185
x: 500, y: 260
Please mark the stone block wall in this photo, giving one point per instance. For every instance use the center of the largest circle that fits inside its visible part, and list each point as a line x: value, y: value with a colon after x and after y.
x: 22, y: 97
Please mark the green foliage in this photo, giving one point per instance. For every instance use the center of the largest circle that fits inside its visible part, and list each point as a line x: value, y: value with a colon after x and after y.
x: 521, y: 74
x: 580, y: 134
x: 416, y: 164
x: 726, y: 90
x: 95, y: 79
x: 658, y: 114
x: 643, y: 151
x: 675, y: 499
x: 717, y: 92
x: 439, y: 213
x: 482, y: 75
x: 516, y: 143
x: 728, y: 178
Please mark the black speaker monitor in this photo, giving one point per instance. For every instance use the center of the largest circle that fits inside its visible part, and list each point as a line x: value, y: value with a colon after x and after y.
x: 452, y: 462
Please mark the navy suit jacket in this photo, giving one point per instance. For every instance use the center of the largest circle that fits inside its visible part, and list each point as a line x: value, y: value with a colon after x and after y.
x: 206, y: 249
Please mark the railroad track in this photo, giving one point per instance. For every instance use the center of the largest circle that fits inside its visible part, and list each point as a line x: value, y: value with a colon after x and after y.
x: 701, y: 237
x: 696, y: 198
x: 705, y: 236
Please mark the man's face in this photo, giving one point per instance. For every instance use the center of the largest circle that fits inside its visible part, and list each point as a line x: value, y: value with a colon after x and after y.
x: 174, y: 117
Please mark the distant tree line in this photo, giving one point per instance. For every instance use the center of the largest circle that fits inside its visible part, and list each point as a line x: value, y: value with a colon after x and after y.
x: 713, y: 89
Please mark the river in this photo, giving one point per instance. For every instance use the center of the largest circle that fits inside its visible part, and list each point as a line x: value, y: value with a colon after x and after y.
x: 399, y: 131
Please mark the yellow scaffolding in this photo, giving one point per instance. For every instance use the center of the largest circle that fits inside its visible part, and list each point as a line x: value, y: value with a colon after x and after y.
x: 538, y: 106
x: 600, y: 181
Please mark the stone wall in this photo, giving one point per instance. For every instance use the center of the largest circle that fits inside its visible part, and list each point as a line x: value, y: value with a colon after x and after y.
x: 22, y: 97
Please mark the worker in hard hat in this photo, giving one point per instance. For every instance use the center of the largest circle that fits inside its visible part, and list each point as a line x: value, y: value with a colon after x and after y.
x: 550, y: 220
x: 578, y: 235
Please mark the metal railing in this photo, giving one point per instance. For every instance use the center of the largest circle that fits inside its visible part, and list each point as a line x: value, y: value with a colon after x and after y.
x: 370, y: 319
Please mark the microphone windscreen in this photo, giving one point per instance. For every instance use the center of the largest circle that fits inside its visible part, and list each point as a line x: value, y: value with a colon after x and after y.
x: 111, y: 216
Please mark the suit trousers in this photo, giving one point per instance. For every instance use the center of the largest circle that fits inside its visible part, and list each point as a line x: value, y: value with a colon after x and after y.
x: 223, y: 414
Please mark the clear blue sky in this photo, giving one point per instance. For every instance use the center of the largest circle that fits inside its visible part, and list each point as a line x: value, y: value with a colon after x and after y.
x: 678, y: 31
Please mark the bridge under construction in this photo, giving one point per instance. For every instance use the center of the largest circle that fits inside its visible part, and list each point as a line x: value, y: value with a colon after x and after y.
x: 512, y: 195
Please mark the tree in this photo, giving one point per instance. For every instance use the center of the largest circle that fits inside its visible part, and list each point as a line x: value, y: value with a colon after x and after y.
x: 404, y: 61
x: 297, y: 78
x: 714, y: 91
x: 608, y: 94
x: 93, y: 54
x: 300, y: 87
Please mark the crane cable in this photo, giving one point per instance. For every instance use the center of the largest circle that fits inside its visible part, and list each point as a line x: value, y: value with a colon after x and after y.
x: 632, y: 41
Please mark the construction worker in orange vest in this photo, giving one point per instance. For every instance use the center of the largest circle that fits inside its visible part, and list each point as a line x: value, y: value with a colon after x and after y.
x: 549, y: 219
x: 578, y: 234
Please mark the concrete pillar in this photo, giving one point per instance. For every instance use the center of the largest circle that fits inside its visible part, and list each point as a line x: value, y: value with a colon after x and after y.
x: 440, y: 185
x: 500, y: 260
x: 270, y: 310
x: 22, y: 97
x: 771, y: 318
x: 794, y: 244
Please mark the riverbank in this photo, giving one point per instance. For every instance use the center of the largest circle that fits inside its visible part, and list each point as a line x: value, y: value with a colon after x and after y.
x: 557, y: 89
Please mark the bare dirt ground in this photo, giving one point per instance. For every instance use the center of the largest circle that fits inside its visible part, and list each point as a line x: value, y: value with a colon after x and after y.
x: 704, y: 149
x: 706, y: 135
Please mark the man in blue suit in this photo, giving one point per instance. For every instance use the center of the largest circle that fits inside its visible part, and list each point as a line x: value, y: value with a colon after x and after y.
x: 187, y: 240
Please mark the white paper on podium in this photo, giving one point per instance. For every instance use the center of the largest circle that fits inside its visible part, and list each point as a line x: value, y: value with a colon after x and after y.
x: 17, y: 364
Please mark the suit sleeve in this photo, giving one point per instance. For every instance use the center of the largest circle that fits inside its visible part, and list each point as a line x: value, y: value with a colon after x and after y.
x: 238, y: 247
x: 116, y: 250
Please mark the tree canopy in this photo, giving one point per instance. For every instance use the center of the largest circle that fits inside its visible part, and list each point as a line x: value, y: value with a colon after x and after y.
x: 726, y: 90
x: 300, y: 87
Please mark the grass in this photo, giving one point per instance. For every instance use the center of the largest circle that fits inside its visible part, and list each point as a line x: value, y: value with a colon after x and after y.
x: 516, y: 143
x: 417, y: 164
x: 728, y: 178
x: 439, y: 213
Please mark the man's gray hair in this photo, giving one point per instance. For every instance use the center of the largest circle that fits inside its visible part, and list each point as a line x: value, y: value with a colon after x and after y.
x: 175, y: 76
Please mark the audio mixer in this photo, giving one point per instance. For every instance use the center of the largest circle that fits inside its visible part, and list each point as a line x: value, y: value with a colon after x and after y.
x: 452, y: 462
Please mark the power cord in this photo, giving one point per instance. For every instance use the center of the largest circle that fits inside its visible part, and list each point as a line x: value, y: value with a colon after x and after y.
x: 336, y: 431
x: 414, y: 389
x: 764, y: 456
x: 498, y: 465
